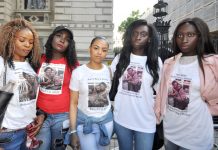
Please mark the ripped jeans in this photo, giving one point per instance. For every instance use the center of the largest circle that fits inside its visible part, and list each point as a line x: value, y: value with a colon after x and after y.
x: 14, y: 140
x: 51, y: 132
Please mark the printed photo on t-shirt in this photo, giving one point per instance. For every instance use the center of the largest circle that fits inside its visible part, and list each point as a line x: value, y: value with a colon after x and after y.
x: 178, y: 94
x: 51, y: 78
x: 132, y: 79
x: 27, y: 87
x: 97, y: 96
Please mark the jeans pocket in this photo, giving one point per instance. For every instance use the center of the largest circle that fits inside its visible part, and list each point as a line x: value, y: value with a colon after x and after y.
x: 65, y: 128
x: 6, y: 137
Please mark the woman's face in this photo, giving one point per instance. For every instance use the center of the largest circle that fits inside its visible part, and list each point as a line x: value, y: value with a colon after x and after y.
x: 140, y: 37
x: 60, y: 41
x: 187, y: 39
x: 103, y: 87
x: 98, y: 88
x: 48, y: 72
x: 53, y: 73
x: 24, y: 41
x: 98, y: 51
x: 130, y: 70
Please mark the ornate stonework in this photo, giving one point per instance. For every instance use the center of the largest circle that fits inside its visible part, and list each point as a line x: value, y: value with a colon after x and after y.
x: 86, y: 18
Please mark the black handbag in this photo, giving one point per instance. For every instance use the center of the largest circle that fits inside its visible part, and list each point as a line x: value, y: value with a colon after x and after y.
x: 5, y: 96
x: 158, y: 137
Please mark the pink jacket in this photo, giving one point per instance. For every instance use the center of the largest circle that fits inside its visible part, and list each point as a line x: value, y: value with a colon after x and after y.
x: 209, y: 86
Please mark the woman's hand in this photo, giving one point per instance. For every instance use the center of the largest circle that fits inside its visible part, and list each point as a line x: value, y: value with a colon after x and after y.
x: 75, y: 144
x: 158, y: 114
x: 38, y: 121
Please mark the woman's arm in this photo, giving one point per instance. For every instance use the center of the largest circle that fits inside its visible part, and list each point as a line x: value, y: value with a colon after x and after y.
x: 74, y: 95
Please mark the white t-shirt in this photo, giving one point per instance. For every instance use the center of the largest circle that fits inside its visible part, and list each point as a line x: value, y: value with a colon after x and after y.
x: 93, y: 87
x: 134, y: 102
x: 187, y: 122
x: 22, y: 108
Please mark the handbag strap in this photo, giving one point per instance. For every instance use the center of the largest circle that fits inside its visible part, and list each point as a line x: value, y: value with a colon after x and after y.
x: 4, y: 77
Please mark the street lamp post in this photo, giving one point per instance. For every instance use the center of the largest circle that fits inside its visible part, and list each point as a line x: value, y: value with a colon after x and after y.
x: 160, y: 11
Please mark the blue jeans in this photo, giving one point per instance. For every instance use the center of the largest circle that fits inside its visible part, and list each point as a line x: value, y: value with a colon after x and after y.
x: 168, y: 145
x: 51, y: 132
x: 127, y: 138
x: 15, y: 140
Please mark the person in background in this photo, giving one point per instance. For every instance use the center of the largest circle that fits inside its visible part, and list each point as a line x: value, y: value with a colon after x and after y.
x: 60, y: 57
x: 134, y: 117
x: 188, y: 124
x: 20, y: 51
x: 92, y: 122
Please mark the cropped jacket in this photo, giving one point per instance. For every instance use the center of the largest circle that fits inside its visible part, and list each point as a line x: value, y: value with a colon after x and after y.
x: 208, y: 83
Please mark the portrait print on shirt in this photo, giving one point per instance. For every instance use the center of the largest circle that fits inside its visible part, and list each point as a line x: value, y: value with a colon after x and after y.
x: 51, y: 78
x: 27, y: 87
x: 132, y: 80
x: 178, y: 94
x: 98, y: 95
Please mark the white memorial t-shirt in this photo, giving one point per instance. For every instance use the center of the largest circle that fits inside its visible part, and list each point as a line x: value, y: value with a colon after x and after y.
x: 187, y: 122
x: 21, y: 109
x: 134, y: 101
x: 93, y: 87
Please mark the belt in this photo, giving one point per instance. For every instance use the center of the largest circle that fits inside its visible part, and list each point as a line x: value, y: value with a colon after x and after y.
x: 3, y: 129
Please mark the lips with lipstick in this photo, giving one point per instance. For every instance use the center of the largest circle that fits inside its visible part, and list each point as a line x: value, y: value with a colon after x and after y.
x: 184, y: 46
x: 60, y: 46
x: 27, y: 51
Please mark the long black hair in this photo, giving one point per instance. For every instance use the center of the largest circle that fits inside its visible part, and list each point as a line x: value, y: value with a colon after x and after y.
x: 204, y: 45
x: 69, y: 54
x: 150, y: 50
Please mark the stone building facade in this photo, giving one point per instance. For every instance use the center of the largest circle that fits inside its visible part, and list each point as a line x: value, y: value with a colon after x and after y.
x: 86, y: 18
x: 180, y: 9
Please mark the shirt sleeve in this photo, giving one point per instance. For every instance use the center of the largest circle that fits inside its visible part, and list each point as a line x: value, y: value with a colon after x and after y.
x: 2, y: 68
x: 74, y: 80
x: 114, y: 64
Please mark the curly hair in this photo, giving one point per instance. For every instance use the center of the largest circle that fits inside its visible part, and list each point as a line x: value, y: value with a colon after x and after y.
x: 150, y: 50
x: 204, y: 45
x: 7, y: 42
x: 69, y: 54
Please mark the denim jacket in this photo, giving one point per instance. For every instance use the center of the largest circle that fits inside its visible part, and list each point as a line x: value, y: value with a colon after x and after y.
x: 208, y: 84
x: 87, y: 122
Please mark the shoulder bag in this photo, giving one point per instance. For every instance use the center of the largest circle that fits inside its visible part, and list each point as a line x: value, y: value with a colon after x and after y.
x: 5, y: 96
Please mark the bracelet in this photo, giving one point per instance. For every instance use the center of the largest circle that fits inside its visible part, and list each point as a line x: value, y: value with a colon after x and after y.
x: 73, y: 131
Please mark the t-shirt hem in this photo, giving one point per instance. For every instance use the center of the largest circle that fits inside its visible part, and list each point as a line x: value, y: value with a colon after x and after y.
x: 151, y: 130
x: 56, y: 111
x: 184, y: 145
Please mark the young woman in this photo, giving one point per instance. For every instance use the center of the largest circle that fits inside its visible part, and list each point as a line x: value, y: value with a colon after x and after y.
x: 136, y: 69
x: 188, y: 91
x: 54, y: 94
x: 20, y: 52
x: 90, y: 110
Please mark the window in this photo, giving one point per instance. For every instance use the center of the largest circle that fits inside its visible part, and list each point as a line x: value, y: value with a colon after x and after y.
x: 34, y: 4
